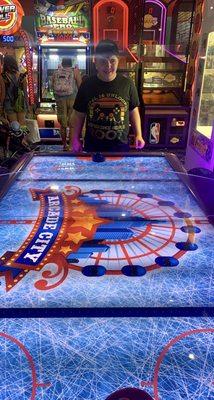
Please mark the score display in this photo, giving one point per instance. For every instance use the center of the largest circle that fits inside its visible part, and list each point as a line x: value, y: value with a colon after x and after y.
x: 7, y: 38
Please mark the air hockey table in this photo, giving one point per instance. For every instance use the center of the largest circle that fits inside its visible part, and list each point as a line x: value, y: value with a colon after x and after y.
x: 106, y: 279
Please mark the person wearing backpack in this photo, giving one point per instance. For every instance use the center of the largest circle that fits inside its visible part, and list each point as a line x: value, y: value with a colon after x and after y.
x: 14, y: 102
x: 65, y: 83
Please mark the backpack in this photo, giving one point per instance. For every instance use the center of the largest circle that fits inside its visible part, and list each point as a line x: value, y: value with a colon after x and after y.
x: 15, y: 91
x: 19, y: 104
x: 64, y: 83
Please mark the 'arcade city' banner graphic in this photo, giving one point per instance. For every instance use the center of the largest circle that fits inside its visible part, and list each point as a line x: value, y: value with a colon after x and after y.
x: 62, y: 21
x: 11, y: 13
x: 58, y: 231
x: 96, y: 233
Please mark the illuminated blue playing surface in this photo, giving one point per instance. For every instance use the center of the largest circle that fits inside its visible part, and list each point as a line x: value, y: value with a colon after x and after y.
x: 65, y: 167
x: 171, y: 359
x: 151, y: 227
x: 123, y: 233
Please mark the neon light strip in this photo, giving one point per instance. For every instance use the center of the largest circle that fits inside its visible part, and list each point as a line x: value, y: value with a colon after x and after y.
x: 163, y: 19
x: 181, y: 57
x: 135, y: 58
x: 64, y: 44
x: 29, y: 64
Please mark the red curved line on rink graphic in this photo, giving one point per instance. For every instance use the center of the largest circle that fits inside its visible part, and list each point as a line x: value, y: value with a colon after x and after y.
x: 165, y: 350
x: 35, y: 384
x: 63, y: 266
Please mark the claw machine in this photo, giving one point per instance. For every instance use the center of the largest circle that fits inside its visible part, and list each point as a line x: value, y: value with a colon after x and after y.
x: 200, y: 148
x: 63, y: 30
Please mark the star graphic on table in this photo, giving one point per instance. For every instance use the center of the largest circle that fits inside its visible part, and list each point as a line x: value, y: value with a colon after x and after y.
x: 76, y: 201
x: 76, y: 237
x: 81, y: 209
x: 88, y: 222
x: 65, y: 249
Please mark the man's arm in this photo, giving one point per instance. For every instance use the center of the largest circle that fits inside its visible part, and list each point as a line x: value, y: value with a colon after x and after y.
x: 135, y: 121
x: 78, y: 77
x: 76, y: 125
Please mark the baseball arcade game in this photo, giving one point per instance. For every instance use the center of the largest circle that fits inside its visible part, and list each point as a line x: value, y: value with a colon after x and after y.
x: 63, y: 30
x: 18, y: 42
x: 165, y: 43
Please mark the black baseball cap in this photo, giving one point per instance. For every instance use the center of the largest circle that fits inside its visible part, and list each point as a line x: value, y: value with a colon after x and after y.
x: 106, y: 47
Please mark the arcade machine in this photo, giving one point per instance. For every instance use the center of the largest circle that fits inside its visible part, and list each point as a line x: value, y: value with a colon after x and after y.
x: 62, y: 31
x: 164, y: 57
x: 18, y: 42
x: 117, y: 21
x: 114, y: 20
x: 200, y: 147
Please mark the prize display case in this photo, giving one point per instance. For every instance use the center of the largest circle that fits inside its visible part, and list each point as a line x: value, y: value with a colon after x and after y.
x: 162, y: 76
x: 165, y: 113
x: 164, y: 51
x: 128, y: 66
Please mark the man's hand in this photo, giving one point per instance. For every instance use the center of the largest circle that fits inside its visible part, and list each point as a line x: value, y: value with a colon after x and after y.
x: 76, y: 145
x: 136, y: 128
x: 77, y: 120
x: 139, y: 142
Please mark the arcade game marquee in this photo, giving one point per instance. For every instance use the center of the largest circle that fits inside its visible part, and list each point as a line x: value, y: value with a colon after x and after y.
x: 120, y: 251
x: 62, y: 31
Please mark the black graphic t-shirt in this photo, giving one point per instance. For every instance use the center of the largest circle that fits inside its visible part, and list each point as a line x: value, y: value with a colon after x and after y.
x: 107, y: 106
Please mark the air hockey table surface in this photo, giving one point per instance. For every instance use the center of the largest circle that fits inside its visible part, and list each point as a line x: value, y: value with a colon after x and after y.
x: 126, y: 232
x: 84, y: 245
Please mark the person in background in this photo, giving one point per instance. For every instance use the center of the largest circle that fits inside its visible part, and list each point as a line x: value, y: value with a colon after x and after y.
x: 108, y: 101
x: 65, y: 82
x: 14, y: 97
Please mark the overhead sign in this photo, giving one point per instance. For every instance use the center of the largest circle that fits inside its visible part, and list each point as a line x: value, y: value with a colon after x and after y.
x: 11, y: 13
x: 63, y: 22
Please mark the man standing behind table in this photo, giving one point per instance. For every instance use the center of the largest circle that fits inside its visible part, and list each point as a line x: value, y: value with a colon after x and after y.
x: 108, y: 101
